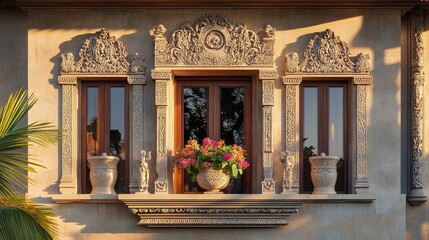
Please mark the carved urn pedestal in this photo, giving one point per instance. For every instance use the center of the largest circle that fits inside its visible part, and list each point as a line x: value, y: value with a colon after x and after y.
x: 212, y: 180
x: 324, y: 173
x: 103, y: 173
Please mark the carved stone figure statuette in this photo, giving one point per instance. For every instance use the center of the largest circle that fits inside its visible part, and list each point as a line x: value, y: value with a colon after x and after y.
x: 288, y: 165
x: 143, y: 177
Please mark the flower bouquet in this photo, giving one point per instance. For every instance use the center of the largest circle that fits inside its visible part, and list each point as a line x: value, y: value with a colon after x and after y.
x: 211, y: 154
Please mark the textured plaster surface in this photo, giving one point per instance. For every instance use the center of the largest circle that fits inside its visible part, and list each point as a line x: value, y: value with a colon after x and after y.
x: 377, y: 33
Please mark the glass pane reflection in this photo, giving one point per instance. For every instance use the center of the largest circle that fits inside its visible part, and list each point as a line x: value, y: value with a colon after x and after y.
x: 310, y: 138
x: 232, y: 125
x: 336, y: 121
x: 92, y: 143
x: 194, y: 113
x: 117, y: 132
x: 232, y: 115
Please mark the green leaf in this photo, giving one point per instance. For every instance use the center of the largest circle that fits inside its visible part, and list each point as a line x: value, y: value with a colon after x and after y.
x: 234, y: 170
x: 22, y: 219
x: 240, y: 170
x: 215, y: 165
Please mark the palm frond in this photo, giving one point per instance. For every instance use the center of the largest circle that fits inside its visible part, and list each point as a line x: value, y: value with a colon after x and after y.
x: 20, y: 218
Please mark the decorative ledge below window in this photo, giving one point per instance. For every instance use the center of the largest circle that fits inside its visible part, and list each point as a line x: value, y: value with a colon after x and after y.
x: 219, y: 210
x: 213, y: 210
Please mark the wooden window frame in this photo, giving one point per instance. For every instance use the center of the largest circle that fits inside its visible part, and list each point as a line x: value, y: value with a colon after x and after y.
x: 103, y: 113
x: 323, y: 119
x: 214, y: 83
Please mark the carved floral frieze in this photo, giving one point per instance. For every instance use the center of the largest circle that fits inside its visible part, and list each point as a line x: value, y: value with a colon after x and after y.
x: 326, y: 53
x: 102, y: 53
x: 213, y: 41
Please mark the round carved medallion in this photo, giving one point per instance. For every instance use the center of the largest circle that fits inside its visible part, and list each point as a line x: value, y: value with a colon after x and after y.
x: 214, y: 40
x: 102, y: 52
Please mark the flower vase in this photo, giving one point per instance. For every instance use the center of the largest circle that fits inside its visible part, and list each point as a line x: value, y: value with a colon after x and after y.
x: 212, y: 180
x: 103, y: 173
x: 324, y: 173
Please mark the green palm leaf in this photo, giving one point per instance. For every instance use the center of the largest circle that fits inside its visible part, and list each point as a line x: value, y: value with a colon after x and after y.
x: 19, y: 217
x: 22, y: 219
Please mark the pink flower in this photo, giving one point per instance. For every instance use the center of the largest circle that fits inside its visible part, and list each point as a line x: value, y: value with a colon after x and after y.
x: 243, y: 164
x: 227, y: 156
x: 206, y: 164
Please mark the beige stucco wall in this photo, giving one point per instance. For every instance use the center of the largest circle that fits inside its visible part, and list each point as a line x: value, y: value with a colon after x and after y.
x: 377, y: 33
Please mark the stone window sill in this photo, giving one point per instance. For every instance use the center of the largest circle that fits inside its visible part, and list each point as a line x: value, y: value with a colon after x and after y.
x: 213, y: 210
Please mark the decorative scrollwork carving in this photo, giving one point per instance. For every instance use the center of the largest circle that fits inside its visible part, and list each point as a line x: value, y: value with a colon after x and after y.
x: 326, y: 53
x: 213, y: 41
x: 102, y: 53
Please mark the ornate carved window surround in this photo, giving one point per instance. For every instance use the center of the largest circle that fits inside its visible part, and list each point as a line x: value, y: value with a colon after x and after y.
x: 101, y: 57
x: 327, y: 57
x: 188, y: 210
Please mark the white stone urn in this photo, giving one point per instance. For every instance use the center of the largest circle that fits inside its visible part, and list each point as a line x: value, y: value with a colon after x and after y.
x: 103, y: 171
x: 324, y: 173
x: 212, y: 180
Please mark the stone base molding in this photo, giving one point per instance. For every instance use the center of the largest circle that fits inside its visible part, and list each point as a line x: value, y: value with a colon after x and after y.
x: 198, y: 210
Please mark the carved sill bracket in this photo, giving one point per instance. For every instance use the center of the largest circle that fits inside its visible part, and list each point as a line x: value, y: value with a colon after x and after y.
x: 213, y: 211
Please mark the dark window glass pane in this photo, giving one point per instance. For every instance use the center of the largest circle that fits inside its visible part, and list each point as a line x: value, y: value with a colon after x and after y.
x: 232, y: 124
x: 310, y: 138
x: 194, y: 113
x: 336, y: 121
x: 194, y: 122
x: 92, y: 128
x: 117, y: 133
x: 232, y: 115
x: 336, y: 130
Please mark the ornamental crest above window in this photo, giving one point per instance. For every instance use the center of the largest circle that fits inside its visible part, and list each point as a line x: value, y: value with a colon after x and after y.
x: 102, y: 53
x: 213, y: 41
x: 326, y: 53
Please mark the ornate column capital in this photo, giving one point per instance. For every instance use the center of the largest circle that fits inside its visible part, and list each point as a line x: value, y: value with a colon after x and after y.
x: 67, y: 80
x: 268, y: 75
x: 367, y: 80
x: 136, y: 79
x: 161, y: 75
x: 291, y: 80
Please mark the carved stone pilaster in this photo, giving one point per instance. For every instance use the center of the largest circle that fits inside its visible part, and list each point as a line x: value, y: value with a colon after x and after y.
x: 161, y: 93
x: 267, y: 93
x: 361, y: 182
x: 268, y: 184
x: 292, y: 131
x: 136, y: 134
x: 68, y: 180
x: 161, y: 184
x: 416, y: 195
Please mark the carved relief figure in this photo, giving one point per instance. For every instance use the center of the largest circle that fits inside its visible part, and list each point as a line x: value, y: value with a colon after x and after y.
x: 288, y: 165
x: 67, y: 63
x: 143, y: 178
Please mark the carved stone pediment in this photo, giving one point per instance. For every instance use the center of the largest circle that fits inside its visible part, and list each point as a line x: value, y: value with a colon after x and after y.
x: 326, y: 53
x: 102, y: 53
x: 213, y: 41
